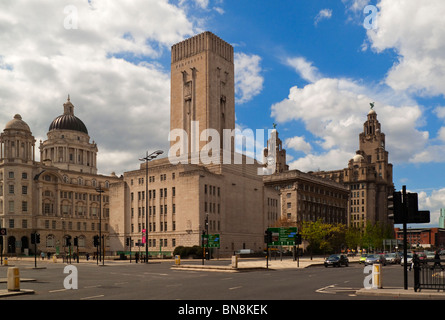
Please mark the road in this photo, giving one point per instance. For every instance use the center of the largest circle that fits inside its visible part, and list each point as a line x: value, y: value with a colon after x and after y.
x: 157, y: 281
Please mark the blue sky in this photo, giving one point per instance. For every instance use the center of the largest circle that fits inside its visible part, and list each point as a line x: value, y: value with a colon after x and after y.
x: 309, y: 66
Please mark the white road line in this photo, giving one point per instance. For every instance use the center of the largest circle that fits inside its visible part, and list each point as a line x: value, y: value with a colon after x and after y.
x: 58, y: 290
x: 92, y: 297
x: 233, y: 288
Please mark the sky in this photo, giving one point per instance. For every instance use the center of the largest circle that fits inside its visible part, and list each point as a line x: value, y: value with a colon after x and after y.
x: 310, y: 66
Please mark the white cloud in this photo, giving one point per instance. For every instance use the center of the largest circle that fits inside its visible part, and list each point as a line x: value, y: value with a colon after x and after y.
x: 432, y: 202
x: 298, y: 144
x: 332, y: 160
x: 248, y: 78
x: 324, y: 14
x: 304, y: 68
x: 118, y: 98
x: 334, y: 110
x: 415, y: 30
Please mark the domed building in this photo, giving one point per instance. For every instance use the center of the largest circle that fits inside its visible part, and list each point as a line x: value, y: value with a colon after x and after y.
x: 369, y: 176
x: 61, y: 197
x: 68, y: 145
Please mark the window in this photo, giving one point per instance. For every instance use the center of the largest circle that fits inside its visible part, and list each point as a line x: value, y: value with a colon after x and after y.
x: 11, y: 189
x: 25, y: 206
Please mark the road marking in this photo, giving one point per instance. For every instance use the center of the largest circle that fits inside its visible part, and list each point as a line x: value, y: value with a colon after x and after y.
x: 92, y: 297
x: 233, y: 288
x: 58, y: 290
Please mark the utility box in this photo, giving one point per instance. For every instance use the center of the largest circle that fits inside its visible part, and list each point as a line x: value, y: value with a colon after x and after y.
x: 177, y: 259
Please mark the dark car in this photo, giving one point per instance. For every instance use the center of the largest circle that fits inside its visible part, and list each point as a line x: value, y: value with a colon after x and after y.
x: 336, y: 260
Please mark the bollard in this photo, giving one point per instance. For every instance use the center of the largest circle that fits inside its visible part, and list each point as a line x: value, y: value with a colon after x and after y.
x: 235, y: 262
x: 6, y: 261
x: 54, y: 258
x: 13, y: 279
x: 177, y: 260
x: 377, y: 276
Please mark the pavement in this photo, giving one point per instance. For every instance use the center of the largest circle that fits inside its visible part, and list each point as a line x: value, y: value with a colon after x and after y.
x: 246, y: 265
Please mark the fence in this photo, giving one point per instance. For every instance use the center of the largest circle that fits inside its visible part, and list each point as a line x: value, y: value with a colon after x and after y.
x: 429, y: 274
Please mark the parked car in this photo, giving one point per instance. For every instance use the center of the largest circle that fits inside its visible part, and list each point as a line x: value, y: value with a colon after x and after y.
x: 363, y: 258
x: 393, y: 258
x: 409, y: 259
x: 375, y: 258
x: 336, y: 260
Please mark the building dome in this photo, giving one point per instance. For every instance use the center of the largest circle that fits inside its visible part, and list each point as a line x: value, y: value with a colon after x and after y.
x: 357, y: 158
x: 17, y: 124
x: 68, y: 121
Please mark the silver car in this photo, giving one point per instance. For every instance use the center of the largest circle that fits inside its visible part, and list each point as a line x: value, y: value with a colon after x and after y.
x: 375, y: 258
x: 393, y: 258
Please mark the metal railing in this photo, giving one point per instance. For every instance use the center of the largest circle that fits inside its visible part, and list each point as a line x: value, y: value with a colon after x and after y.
x: 429, y: 274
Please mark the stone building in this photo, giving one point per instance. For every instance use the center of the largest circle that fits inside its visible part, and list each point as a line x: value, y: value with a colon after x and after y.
x: 56, y: 197
x: 188, y: 194
x: 368, y: 176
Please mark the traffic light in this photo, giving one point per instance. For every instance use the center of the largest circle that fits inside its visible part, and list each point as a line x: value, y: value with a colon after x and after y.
x: 414, y: 215
x: 68, y: 241
x: 128, y: 242
x: 268, y: 236
x: 35, y: 238
x: 76, y: 241
x: 298, y: 238
x: 96, y: 241
x: 395, y: 210
x: 404, y: 208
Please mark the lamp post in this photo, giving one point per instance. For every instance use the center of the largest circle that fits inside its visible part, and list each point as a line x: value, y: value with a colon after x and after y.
x: 100, y: 191
x: 148, y: 158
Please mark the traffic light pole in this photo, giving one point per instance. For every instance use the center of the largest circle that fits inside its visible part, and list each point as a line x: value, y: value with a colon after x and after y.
x: 35, y: 250
x: 405, y: 242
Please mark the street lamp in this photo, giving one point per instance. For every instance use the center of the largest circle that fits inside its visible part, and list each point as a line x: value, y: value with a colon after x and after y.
x: 148, y: 158
x: 100, y: 191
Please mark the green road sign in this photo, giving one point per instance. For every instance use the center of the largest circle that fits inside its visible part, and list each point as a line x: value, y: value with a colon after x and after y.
x: 284, y: 236
x: 211, y: 240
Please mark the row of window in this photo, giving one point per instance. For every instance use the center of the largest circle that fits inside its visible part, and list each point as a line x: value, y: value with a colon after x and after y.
x: 151, y: 179
x: 152, y: 194
x: 152, y: 227
x: 152, y: 211
x: 57, y: 225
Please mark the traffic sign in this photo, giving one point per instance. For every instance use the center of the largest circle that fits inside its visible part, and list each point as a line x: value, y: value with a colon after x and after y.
x: 284, y: 236
x: 2, y: 231
x: 211, y: 240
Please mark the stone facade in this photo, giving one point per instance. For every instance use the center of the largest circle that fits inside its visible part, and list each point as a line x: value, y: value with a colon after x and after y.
x: 368, y: 176
x: 189, y: 197
x: 56, y: 197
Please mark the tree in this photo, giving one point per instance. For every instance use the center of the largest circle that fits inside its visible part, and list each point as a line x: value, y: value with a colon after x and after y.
x: 323, y: 237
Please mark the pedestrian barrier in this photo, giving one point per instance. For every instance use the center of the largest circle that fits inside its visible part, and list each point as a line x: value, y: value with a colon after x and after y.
x: 429, y: 274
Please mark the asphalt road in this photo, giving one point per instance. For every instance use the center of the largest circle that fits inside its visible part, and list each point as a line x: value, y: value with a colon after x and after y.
x: 157, y: 281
